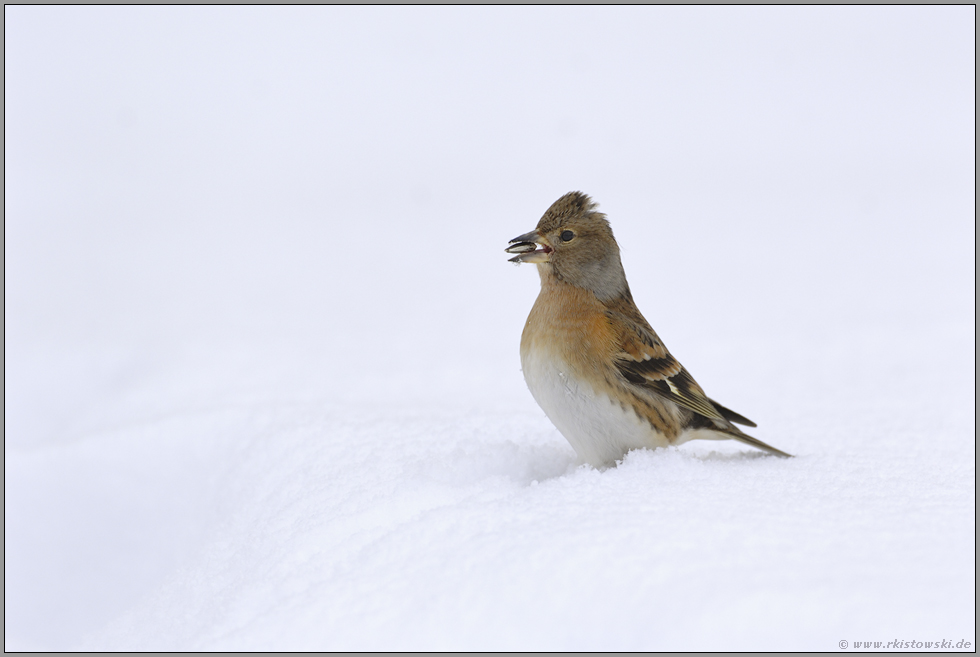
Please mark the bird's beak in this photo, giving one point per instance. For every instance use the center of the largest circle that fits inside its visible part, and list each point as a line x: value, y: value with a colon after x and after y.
x: 525, y: 246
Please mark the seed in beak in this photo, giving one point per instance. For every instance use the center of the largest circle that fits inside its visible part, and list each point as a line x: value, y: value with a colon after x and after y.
x: 521, y: 247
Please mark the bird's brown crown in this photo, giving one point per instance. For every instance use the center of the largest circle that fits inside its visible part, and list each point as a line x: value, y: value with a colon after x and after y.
x: 570, y: 206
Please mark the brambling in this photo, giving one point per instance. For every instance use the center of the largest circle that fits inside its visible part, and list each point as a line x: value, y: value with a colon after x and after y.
x: 592, y: 362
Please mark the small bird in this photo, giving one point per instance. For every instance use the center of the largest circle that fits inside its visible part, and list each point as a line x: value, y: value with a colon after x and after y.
x: 592, y: 362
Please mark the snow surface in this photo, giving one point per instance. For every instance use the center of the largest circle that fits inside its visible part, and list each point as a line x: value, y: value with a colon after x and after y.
x: 262, y: 385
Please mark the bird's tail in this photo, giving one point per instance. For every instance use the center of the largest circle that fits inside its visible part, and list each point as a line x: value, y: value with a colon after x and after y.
x: 755, y: 442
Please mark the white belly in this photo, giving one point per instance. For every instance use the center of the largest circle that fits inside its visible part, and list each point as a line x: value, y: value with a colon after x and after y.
x: 598, y: 428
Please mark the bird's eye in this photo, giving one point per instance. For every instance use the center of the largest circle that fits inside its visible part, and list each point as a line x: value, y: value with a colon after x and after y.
x: 567, y: 235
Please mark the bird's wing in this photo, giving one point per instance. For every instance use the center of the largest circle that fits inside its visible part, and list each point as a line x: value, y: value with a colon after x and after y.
x: 644, y: 361
x: 731, y: 415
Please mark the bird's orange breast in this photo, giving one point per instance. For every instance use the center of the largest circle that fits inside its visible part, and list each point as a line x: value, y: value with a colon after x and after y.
x: 571, y: 324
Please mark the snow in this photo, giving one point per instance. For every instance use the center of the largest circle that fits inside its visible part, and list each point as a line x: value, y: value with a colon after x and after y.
x: 262, y: 383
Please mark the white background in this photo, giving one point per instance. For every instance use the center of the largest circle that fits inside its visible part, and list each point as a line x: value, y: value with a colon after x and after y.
x: 262, y: 386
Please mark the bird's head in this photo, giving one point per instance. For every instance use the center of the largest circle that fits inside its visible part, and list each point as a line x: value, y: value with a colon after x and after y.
x: 576, y: 247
